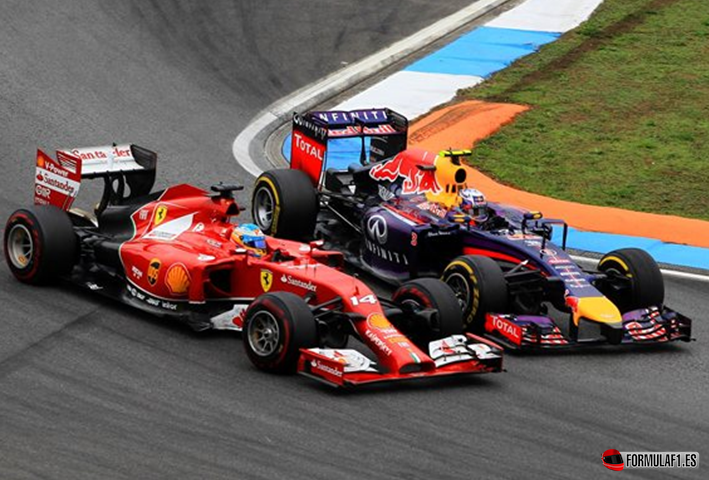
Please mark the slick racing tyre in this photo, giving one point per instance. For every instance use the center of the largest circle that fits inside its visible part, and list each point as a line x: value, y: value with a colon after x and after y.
x: 277, y: 326
x: 642, y: 277
x: 40, y: 244
x: 480, y: 287
x: 428, y: 293
x: 285, y: 205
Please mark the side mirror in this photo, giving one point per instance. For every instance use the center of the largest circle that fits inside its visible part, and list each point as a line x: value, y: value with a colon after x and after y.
x: 315, y: 244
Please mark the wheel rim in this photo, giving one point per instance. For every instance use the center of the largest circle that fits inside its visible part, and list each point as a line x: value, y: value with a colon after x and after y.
x: 263, y: 208
x: 264, y: 334
x: 20, y: 246
x: 461, y: 289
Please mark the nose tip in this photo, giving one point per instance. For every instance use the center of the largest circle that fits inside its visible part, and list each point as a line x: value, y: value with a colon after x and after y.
x: 597, y: 309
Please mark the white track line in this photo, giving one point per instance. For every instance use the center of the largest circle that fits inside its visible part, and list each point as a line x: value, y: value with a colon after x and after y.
x: 337, y: 82
x: 670, y: 273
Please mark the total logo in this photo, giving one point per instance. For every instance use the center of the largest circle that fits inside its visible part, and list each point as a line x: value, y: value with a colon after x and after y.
x: 304, y: 146
x: 508, y: 329
x: 287, y: 279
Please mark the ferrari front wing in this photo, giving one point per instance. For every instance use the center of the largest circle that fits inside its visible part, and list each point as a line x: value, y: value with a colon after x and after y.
x: 454, y: 355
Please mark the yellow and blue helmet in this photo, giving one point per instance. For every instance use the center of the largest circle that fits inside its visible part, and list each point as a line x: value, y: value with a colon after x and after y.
x: 249, y: 237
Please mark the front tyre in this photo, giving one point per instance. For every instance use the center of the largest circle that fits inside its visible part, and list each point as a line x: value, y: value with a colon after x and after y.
x: 40, y: 244
x: 428, y: 293
x: 277, y: 326
x: 480, y: 287
x: 284, y: 204
x: 643, y: 283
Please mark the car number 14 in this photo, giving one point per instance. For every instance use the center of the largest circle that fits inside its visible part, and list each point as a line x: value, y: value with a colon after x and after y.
x: 365, y: 299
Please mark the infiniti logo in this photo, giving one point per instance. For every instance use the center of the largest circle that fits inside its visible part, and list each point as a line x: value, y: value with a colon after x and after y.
x: 377, y: 229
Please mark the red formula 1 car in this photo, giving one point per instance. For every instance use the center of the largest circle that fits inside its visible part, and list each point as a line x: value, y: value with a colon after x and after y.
x: 176, y: 254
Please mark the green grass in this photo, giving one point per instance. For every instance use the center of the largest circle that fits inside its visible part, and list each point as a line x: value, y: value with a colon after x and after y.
x: 620, y: 111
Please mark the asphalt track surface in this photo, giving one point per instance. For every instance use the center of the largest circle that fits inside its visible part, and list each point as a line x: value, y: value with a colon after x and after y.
x: 95, y: 390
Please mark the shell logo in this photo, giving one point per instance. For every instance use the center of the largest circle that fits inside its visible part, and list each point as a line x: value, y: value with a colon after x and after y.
x: 40, y: 162
x: 178, y: 280
x: 377, y: 320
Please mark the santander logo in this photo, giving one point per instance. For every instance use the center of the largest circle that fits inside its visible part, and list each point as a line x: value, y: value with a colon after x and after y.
x: 326, y: 368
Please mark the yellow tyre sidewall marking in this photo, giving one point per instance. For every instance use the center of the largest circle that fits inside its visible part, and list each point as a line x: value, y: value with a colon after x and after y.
x: 476, y: 290
x: 620, y: 262
x: 276, y: 201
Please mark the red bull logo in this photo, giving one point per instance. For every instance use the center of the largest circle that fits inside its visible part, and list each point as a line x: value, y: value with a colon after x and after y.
x: 416, y: 181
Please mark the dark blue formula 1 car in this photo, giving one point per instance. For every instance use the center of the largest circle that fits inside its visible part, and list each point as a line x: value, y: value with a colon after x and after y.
x: 402, y: 213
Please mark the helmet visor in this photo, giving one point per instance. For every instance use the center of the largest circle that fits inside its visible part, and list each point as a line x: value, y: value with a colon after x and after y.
x: 256, y: 241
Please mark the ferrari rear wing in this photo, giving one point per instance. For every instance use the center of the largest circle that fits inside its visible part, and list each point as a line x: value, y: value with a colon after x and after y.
x: 385, y: 130
x: 57, y: 182
x: 107, y: 160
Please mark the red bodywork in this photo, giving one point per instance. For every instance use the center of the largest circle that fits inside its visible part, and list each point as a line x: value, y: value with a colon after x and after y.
x: 181, y: 245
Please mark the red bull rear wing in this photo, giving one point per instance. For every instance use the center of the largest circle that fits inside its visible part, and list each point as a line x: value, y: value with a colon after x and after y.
x: 384, y: 130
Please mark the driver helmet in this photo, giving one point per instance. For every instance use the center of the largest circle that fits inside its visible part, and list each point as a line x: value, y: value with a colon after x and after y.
x: 613, y: 459
x: 249, y: 237
x: 472, y: 202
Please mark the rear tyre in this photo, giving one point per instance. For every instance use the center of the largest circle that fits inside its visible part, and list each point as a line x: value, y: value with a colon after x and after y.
x: 429, y: 293
x: 284, y: 204
x: 40, y: 244
x: 480, y: 287
x: 277, y: 326
x: 646, y: 286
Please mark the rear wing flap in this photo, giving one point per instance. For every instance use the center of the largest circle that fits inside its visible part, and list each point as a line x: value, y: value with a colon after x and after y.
x: 103, y: 161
